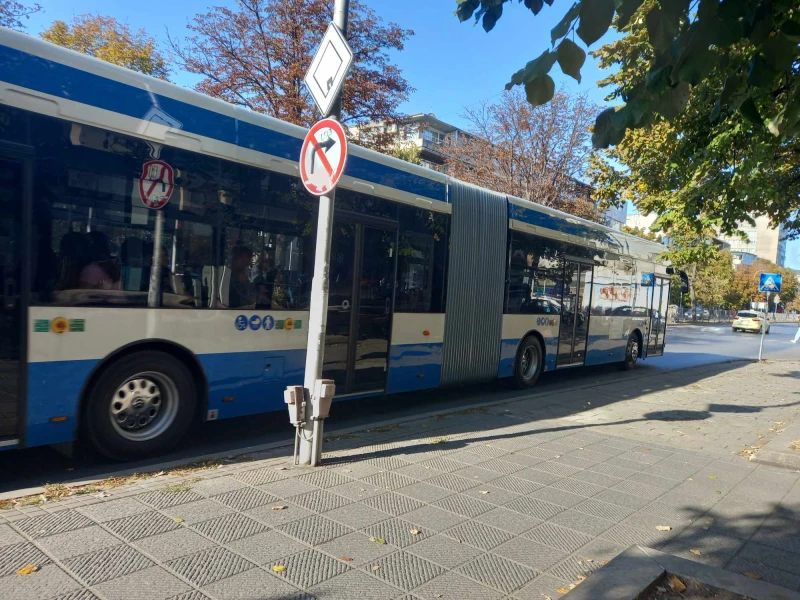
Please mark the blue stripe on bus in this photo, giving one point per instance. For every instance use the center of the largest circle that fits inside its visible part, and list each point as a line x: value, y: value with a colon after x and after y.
x: 557, y: 223
x: 63, y: 81
x: 414, y: 367
x: 508, y: 355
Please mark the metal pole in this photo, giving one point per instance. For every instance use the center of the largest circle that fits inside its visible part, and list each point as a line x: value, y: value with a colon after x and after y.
x: 310, y: 447
x: 763, y: 329
x: 154, y: 291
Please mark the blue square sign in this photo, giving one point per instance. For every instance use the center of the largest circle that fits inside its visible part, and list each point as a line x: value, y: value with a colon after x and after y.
x: 770, y: 282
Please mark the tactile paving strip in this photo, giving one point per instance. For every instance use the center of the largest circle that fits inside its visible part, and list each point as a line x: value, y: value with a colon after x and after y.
x: 229, y: 528
x: 168, y: 499
x: 209, y: 565
x: 60, y: 522
x: 16, y: 556
x: 404, y: 570
x: 310, y: 567
x: 107, y: 564
x: 498, y: 572
x: 141, y: 526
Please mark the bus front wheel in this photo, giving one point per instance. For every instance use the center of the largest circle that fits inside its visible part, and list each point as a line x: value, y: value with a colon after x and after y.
x: 528, y: 365
x: 632, y: 350
x: 141, y: 405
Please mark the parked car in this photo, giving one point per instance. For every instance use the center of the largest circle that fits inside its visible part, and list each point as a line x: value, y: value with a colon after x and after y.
x: 750, y: 320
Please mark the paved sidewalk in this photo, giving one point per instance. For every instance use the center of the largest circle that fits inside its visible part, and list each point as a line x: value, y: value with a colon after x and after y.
x: 517, y: 501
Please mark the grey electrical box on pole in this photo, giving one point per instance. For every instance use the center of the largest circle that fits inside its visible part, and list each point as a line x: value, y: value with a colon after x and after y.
x: 326, y: 74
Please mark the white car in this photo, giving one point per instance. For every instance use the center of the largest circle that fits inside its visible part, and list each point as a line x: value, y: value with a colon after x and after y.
x: 750, y: 320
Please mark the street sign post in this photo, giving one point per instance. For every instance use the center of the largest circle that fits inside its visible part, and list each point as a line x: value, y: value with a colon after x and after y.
x: 322, y: 163
x: 328, y: 69
x: 768, y: 283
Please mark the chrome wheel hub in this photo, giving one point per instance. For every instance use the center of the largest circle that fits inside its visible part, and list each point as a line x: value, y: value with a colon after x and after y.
x: 143, y: 406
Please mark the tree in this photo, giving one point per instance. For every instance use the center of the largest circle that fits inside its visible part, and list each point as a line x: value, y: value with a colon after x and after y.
x: 713, y: 281
x: 256, y: 55
x: 744, y: 287
x: 752, y: 46
x: 700, y: 171
x: 406, y: 152
x: 643, y: 233
x: 536, y: 153
x: 12, y: 13
x: 108, y: 39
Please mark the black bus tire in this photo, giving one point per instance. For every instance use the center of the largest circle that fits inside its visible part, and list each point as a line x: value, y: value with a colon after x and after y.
x: 141, y: 405
x: 528, y: 363
x: 632, y: 351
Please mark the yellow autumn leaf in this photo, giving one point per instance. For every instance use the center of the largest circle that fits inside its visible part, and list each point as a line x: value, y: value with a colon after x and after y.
x: 178, y: 520
x: 376, y: 568
x: 27, y: 570
x: 414, y: 531
x: 563, y: 590
x: 663, y: 528
x: 279, y: 507
x: 345, y: 558
x: 484, y: 492
x: 676, y: 585
x: 279, y: 568
x: 752, y: 575
x: 695, y: 551
x: 377, y: 540
x: 712, y: 476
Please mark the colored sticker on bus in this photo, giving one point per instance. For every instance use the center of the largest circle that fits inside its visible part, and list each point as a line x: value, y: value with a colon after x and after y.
x: 268, y: 323
x: 41, y: 325
x: 78, y: 325
x: 59, y: 325
x: 241, y: 322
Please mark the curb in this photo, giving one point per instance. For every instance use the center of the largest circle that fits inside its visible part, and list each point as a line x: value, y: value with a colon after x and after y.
x: 289, y: 442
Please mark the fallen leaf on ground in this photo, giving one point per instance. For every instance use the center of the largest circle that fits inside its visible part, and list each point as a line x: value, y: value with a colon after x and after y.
x: 279, y: 507
x: 414, y: 531
x: 589, y: 560
x: 377, y: 540
x: 345, y: 558
x: 712, y: 476
x: 717, y: 491
x: 562, y: 590
x: 281, y: 468
x: 178, y: 520
x: 27, y: 570
x: 690, y: 479
x: 484, y: 492
x: 603, y: 563
x: 376, y: 568
x: 752, y: 575
x: 675, y: 584
x: 279, y: 568
x: 695, y: 552
x: 663, y: 528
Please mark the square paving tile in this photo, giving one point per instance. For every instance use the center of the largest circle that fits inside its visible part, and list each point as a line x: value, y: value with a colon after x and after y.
x: 173, y: 544
x: 78, y: 595
x: 502, y: 466
x: 582, y: 522
x: 153, y: 583
x: 452, y: 482
x: 393, y: 504
x: 622, y: 499
x: 444, y: 551
x: 208, y: 566
x: 49, y: 582
x: 478, y: 535
x: 531, y: 554
x: 779, y: 559
x: 493, y: 495
x: 397, y: 532
x: 356, y: 515
x: 309, y: 567
x: 276, y: 518
x: 315, y: 530
x: 353, y: 584
x: 532, y: 507
x: 604, y: 510
x: 508, y: 520
x: 516, y: 485
x: 321, y: 501
x: 163, y: 499
x: 16, y: 556
x: 425, y: 492
x: 714, y: 549
x: 52, y: 524
x: 260, y: 476
x: 113, y: 509
x: 74, y: 543
x: 404, y: 570
x: 357, y: 490
x: 194, y: 512
x: 531, y: 474
x: 245, y: 498
x: 217, y: 485
x: 443, y: 464
x: 560, y: 538
x: 8, y: 536
x: 109, y: 563
x: 766, y: 572
x: 388, y: 480
x: 465, y: 506
x: 477, y: 474
x: 267, y: 546
x: 497, y: 572
x: 142, y: 525
x: 556, y: 496
x: 252, y: 584
x: 288, y: 488
x: 324, y: 478
x: 358, y: 547
x: 452, y: 586
x: 581, y: 488
x: 434, y: 518
x: 229, y: 528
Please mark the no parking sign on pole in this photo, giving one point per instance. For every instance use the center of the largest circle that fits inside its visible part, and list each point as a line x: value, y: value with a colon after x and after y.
x: 323, y: 156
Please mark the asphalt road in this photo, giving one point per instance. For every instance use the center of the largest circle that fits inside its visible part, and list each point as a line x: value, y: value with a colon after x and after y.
x: 687, y: 345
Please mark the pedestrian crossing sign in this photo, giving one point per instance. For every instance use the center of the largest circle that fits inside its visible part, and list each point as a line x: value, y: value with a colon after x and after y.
x: 770, y: 282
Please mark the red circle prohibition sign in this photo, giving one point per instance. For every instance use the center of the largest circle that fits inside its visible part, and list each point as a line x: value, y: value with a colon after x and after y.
x: 323, y: 156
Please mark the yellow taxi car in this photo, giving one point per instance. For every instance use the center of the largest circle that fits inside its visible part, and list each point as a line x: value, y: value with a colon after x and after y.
x: 750, y: 320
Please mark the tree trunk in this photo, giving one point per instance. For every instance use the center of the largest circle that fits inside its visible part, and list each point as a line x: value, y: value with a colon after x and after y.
x: 691, y: 276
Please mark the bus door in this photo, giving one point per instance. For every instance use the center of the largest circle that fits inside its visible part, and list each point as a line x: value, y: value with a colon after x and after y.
x: 360, y: 304
x: 575, y: 300
x: 15, y: 190
x: 659, y: 306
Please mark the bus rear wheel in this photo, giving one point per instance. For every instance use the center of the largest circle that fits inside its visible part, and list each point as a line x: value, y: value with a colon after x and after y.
x: 141, y: 405
x: 528, y: 365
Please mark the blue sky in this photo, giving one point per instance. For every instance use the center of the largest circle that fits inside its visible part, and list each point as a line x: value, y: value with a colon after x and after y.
x: 451, y: 64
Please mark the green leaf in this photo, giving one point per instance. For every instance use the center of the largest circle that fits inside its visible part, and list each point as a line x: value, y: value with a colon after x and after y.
x: 491, y: 16
x: 658, y: 80
x: 731, y: 86
x: 535, y: 68
x: 660, y: 30
x: 726, y: 31
x: 540, y: 90
x: 466, y: 8
x: 625, y: 11
x: 596, y: 17
x: 750, y: 112
x: 673, y: 100
x: 780, y: 52
x: 563, y: 26
x: 697, y: 66
x: 571, y: 58
x: 603, y: 126
x: 534, y: 5
x: 629, y: 115
x: 760, y: 73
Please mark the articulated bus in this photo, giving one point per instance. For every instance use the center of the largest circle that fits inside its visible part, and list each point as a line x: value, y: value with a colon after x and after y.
x: 156, y: 257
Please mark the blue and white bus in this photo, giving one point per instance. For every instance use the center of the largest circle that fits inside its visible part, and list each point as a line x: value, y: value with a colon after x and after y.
x: 122, y: 322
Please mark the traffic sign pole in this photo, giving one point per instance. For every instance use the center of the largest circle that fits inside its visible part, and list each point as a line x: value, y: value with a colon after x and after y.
x: 763, y: 329
x: 310, y: 450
